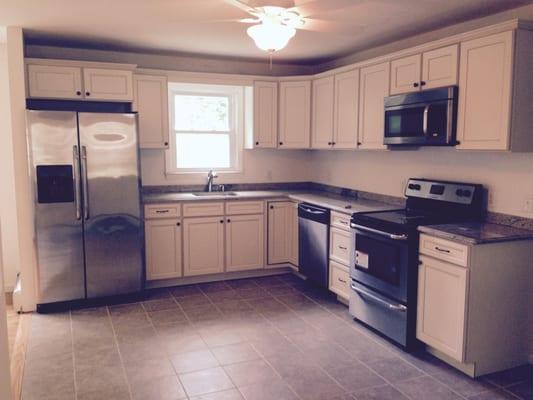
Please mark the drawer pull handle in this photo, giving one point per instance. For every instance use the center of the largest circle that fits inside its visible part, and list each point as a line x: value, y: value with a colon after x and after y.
x: 343, y: 248
x: 341, y: 280
x: 442, y: 250
x: 161, y: 211
x: 343, y: 222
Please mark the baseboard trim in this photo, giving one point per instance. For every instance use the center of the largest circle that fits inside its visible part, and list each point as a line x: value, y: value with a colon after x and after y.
x: 18, y: 356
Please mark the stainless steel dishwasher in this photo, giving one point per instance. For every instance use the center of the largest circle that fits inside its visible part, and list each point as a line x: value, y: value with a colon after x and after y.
x: 313, y: 246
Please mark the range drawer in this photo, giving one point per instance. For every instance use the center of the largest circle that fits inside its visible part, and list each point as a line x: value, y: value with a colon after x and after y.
x: 341, y: 246
x: 153, y: 211
x: 339, y: 279
x: 244, y: 207
x: 203, y: 209
x: 443, y: 249
x: 341, y: 221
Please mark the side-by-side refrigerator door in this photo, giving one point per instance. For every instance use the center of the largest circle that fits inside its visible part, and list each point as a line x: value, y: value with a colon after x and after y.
x: 55, y: 172
x: 110, y: 187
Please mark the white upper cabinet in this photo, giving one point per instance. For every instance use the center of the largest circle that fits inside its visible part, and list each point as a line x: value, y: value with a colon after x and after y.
x: 373, y: 90
x: 405, y: 74
x: 346, y: 114
x: 108, y: 84
x: 431, y: 69
x: 486, y: 75
x: 323, y: 105
x: 265, y: 114
x: 47, y: 81
x: 294, y: 114
x: 151, y: 102
x: 439, y: 67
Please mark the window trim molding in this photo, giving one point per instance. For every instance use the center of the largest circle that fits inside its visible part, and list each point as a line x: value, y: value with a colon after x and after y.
x: 236, y: 132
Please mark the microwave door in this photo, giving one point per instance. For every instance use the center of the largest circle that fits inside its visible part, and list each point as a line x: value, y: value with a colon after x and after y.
x: 405, y: 124
x: 438, y: 123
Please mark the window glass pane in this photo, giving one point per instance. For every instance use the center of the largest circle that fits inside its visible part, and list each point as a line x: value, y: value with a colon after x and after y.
x: 201, y: 113
x: 195, y: 150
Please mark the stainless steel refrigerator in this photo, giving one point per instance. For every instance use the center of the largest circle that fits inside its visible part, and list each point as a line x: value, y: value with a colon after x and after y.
x: 85, y: 172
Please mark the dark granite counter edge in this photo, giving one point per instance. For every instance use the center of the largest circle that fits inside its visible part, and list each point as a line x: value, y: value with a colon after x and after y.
x: 469, y: 240
x: 492, y: 217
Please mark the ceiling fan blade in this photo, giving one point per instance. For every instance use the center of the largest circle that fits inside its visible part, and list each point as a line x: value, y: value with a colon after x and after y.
x: 243, y: 6
x: 249, y: 20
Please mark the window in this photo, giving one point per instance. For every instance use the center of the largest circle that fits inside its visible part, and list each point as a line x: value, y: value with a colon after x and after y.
x: 206, y: 128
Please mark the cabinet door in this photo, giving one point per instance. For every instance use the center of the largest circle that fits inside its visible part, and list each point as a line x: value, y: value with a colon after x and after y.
x: 339, y: 280
x: 340, y: 246
x: 439, y: 67
x: 244, y: 242
x: 295, y: 256
x: 266, y: 114
x: 374, y: 88
x: 203, y: 245
x: 441, y: 312
x: 151, y: 102
x: 346, y: 110
x: 294, y: 115
x: 405, y: 74
x: 163, y: 249
x: 322, y: 126
x: 54, y: 82
x: 280, y: 244
x: 108, y: 84
x: 485, y: 92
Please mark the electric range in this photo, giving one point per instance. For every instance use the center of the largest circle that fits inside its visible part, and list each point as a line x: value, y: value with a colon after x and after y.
x: 384, y: 266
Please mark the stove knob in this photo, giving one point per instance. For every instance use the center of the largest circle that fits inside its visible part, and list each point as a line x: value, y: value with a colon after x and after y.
x: 467, y: 193
x: 459, y: 192
x: 413, y: 186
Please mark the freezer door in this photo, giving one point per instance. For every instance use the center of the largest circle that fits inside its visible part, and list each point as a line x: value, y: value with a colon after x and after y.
x: 111, y: 208
x: 54, y: 164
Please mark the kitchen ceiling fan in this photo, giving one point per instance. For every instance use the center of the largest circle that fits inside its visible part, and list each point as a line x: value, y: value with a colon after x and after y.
x: 275, y: 22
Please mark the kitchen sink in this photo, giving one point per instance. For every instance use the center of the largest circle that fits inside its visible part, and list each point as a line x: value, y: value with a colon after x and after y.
x: 214, y: 194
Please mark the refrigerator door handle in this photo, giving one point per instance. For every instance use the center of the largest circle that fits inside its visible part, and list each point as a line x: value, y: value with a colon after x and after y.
x: 85, y: 182
x: 77, y: 195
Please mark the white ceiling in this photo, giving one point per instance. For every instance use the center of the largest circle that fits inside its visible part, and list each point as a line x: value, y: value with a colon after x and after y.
x: 208, y: 27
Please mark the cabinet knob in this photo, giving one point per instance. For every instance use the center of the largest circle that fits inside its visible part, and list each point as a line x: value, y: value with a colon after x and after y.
x: 178, y: 224
x: 257, y: 143
x: 329, y: 143
x: 415, y: 84
x: 281, y: 143
x: 423, y: 83
x: 166, y: 143
x: 221, y: 221
x: 333, y: 143
x: 229, y: 220
x: 87, y: 93
x: 271, y: 207
x: 78, y: 93
x: 359, y: 143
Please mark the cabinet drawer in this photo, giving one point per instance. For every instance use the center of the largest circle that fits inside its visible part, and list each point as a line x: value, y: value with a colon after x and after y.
x: 340, y: 246
x: 161, y: 211
x: 244, y: 207
x: 339, y: 279
x: 341, y: 221
x: 444, y: 250
x: 202, y: 209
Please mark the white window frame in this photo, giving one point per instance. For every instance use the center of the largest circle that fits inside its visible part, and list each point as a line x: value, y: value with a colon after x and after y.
x: 235, y: 95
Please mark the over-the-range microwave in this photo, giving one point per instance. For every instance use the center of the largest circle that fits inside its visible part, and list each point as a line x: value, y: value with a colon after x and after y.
x: 425, y: 118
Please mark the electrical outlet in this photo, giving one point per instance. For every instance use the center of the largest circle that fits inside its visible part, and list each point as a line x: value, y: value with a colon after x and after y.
x: 528, y: 204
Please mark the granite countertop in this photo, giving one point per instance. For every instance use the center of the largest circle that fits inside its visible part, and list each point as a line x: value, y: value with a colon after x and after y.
x: 477, y: 232
x: 343, y: 204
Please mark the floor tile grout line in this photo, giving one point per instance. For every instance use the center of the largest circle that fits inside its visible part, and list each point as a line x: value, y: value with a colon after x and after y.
x: 122, y: 364
x: 73, y: 355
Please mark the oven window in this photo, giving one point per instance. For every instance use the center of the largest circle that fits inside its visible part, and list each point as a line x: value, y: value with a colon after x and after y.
x: 405, y: 122
x: 383, y: 259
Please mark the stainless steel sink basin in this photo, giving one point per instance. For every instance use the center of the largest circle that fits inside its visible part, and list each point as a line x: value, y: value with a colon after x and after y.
x: 214, y: 194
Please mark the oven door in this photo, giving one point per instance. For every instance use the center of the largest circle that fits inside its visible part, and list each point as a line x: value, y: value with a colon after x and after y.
x: 381, y: 261
x: 419, y: 124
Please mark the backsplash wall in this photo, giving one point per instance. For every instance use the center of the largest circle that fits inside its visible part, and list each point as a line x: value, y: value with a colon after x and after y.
x: 507, y: 176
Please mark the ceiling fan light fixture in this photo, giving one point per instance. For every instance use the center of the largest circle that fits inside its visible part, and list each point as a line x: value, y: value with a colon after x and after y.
x: 270, y: 36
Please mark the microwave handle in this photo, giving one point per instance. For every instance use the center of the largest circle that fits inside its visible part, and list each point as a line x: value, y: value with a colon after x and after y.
x: 425, y: 120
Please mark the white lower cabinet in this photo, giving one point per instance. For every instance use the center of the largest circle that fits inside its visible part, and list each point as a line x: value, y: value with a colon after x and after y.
x: 282, y: 233
x: 442, y: 291
x: 340, y: 245
x: 203, y: 245
x: 163, y: 249
x: 339, y: 280
x: 340, y: 254
x: 244, y: 242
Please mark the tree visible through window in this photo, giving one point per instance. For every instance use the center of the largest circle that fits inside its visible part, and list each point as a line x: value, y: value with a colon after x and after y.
x: 206, y: 127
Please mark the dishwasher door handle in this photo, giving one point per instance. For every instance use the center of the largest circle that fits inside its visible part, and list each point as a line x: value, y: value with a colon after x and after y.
x: 309, y: 210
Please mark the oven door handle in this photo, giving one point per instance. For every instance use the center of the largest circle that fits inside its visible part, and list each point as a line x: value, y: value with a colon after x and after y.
x: 364, y: 293
x: 377, y: 232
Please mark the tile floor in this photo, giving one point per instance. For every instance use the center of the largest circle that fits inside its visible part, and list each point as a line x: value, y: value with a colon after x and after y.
x: 255, y: 339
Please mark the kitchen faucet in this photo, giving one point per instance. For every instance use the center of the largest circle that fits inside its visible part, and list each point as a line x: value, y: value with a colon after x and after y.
x: 210, y: 176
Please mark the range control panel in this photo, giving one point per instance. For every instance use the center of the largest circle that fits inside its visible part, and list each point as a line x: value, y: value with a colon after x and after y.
x: 453, y: 192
